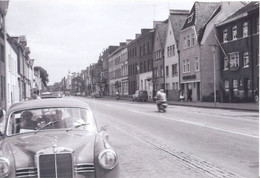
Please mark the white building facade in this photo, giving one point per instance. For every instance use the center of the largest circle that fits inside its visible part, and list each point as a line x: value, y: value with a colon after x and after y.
x: 12, y: 92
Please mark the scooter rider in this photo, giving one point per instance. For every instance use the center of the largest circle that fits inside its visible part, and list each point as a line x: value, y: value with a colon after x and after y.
x: 160, y: 98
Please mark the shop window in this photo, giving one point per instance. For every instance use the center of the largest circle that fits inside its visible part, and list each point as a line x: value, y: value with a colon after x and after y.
x: 248, y: 84
x: 226, y: 83
x: 235, y: 84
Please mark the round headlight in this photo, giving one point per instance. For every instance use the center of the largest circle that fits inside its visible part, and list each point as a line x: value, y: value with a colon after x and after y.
x: 107, y: 159
x: 4, y: 167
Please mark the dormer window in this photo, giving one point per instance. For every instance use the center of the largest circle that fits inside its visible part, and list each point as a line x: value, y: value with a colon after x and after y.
x: 190, y: 18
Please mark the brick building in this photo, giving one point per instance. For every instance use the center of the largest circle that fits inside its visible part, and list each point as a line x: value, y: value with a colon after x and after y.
x: 140, y: 60
x: 238, y: 35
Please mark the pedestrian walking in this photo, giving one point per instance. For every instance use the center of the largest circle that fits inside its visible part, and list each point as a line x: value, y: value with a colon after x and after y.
x: 181, y: 96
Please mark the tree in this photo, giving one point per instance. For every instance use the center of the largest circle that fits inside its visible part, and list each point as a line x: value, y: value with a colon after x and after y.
x: 43, y: 74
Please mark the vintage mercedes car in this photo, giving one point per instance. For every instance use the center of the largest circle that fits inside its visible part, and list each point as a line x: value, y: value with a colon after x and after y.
x: 54, y: 138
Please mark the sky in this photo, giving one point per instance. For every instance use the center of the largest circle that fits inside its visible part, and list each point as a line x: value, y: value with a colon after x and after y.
x: 69, y: 35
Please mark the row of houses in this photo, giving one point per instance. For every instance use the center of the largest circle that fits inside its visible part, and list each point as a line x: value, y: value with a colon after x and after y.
x: 208, y: 53
x: 17, y: 74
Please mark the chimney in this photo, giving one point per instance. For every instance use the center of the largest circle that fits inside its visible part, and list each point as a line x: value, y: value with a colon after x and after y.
x: 128, y: 41
x: 156, y: 23
x: 122, y: 44
x: 145, y: 30
x: 178, y: 12
x: 137, y: 36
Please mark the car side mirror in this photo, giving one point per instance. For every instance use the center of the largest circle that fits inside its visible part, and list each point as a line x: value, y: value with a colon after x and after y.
x: 103, y: 131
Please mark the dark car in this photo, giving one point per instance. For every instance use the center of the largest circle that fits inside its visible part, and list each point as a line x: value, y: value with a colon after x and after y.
x: 50, y: 95
x: 140, y: 95
x: 54, y: 138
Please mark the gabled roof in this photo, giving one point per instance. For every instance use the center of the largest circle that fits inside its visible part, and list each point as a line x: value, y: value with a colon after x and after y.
x: 200, y: 13
x: 161, y: 28
x: 242, y: 12
x: 177, y: 18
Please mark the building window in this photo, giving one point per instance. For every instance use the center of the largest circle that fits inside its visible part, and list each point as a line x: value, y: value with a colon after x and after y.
x: 156, y: 72
x: 167, y: 71
x: 184, y: 66
x: 245, y: 59
x: 188, y: 65
x: 168, y: 51
x: 234, y: 32
x: 188, y: 40
x: 192, y: 40
x: 167, y: 86
x: 185, y: 42
x: 226, y: 63
x: 197, y: 64
x: 245, y: 29
x: 174, y: 69
x: 173, y: 85
x: 225, y: 39
x: 234, y: 60
x: 161, y: 70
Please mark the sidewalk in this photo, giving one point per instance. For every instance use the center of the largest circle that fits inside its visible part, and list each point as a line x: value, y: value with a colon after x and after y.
x: 234, y: 106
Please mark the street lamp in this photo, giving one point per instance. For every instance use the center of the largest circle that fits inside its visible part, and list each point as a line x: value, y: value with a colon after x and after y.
x: 213, y: 47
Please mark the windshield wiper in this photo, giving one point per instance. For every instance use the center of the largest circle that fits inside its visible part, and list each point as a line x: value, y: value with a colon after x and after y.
x: 47, y: 125
x: 77, y: 126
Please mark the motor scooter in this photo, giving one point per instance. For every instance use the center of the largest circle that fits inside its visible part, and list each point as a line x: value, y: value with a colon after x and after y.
x: 162, y: 106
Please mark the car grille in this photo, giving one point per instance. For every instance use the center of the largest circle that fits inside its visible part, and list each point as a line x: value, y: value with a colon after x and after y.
x: 55, y: 165
x: 84, y: 167
x: 26, y: 172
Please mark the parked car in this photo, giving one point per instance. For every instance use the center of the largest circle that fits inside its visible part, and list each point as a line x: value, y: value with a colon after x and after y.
x: 50, y: 95
x: 140, y: 95
x: 54, y: 138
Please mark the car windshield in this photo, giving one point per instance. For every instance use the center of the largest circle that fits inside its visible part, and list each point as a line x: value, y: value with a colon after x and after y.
x: 50, y: 118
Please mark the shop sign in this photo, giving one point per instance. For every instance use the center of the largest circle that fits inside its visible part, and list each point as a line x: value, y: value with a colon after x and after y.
x: 189, y: 77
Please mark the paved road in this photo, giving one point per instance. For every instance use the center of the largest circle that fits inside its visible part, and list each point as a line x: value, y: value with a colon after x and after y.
x: 184, y: 142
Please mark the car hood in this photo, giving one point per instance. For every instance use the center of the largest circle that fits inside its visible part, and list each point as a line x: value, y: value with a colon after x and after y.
x: 25, y: 147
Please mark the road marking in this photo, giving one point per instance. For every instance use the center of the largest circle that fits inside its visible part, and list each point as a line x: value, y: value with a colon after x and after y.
x: 199, y: 124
